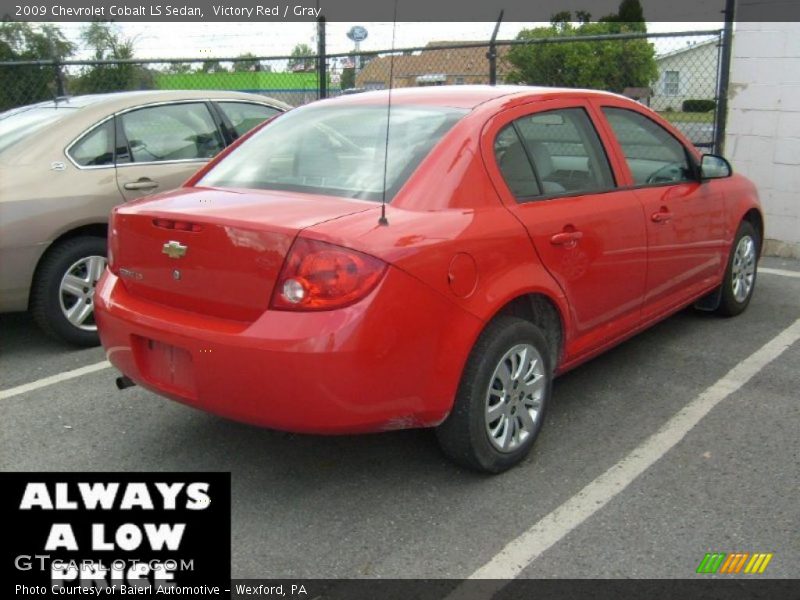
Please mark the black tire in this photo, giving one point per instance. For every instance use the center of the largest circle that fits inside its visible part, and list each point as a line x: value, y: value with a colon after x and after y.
x: 730, y: 305
x: 465, y: 435
x: 45, y: 303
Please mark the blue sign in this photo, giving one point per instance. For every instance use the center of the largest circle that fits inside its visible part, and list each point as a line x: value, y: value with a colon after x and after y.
x: 357, y: 33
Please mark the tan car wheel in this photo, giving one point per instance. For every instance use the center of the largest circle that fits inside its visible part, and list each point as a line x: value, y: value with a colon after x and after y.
x: 62, y: 299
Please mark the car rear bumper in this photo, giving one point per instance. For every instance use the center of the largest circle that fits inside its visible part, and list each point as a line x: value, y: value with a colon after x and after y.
x: 391, y: 361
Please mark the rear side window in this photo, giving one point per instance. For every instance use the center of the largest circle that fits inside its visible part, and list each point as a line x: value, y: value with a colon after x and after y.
x: 243, y: 116
x: 96, y: 148
x: 514, y: 164
x: 171, y: 132
x: 653, y: 155
x: 553, y: 153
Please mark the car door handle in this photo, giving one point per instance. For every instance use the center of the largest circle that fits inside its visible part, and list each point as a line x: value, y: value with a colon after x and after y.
x: 566, y: 238
x: 142, y: 184
x: 661, y: 216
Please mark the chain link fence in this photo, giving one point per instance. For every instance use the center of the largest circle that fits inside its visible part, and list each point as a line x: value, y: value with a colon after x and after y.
x: 291, y: 80
x: 676, y: 74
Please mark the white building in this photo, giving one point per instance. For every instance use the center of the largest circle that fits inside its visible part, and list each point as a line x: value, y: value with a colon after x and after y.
x: 763, y: 134
x: 688, y: 73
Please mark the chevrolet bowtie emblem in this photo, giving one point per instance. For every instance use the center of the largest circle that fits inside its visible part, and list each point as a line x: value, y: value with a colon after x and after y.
x: 174, y: 249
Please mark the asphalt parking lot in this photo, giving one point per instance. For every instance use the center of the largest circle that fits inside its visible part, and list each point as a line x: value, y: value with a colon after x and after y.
x: 390, y: 505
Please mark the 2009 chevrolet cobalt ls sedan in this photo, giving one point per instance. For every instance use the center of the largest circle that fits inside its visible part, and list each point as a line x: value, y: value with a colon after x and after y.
x: 525, y: 231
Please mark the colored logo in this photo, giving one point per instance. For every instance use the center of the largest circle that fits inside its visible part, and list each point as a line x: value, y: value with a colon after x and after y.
x: 734, y: 563
x: 174, y: 249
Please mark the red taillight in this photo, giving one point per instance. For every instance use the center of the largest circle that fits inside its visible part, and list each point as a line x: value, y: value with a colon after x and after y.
x: 321, y: 276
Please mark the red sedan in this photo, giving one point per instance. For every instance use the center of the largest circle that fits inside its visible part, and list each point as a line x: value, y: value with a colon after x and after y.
x: 317, y: 277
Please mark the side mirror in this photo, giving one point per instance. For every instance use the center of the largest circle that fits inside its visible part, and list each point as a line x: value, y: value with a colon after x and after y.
x: 714, y: 167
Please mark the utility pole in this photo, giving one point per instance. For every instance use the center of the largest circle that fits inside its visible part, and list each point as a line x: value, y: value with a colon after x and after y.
x: 724, y: 77
x: 322, y: 59
x: 492, y: 54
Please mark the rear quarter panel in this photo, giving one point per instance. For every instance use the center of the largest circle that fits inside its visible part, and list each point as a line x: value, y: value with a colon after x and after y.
x: 37, y: 206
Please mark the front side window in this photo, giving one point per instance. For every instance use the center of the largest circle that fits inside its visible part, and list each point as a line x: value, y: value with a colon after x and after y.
x: 653, y: 155
x: 556, y: 152
x: 171, y: 132
x: 336, y: 150
x: 96, y: 148
x: 246, y: 115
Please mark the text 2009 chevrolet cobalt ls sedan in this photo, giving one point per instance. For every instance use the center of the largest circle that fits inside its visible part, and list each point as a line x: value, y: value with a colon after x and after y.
x: 526, y: 230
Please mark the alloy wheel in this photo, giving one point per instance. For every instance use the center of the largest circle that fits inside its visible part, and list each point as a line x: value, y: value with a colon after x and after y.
x: 743, y: 269
x: 514, y: 397
x: 76, y: 291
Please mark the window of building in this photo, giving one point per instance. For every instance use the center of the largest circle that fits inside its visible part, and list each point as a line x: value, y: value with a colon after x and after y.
x: 672, y: 83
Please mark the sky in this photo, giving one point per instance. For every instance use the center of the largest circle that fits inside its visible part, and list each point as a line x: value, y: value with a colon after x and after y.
x: 217, y: 40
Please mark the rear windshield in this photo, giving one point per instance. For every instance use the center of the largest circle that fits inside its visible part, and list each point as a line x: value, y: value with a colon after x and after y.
x: 18, y: 124
x: 336, y: 150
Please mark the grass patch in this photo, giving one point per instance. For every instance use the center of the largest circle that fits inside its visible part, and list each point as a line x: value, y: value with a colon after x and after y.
x: 686, y: 117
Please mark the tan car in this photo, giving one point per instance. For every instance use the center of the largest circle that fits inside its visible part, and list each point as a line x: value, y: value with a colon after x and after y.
x: 64, y: 164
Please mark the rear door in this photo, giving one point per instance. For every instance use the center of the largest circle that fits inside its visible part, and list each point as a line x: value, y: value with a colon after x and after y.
x: 685, y: 218
x: 164, y: 144
x: 551, y: 171
x: 93, y: 155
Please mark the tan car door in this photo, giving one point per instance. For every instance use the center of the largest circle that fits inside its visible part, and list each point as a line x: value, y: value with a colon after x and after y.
x: 91, y: 177
x: 164, y: 144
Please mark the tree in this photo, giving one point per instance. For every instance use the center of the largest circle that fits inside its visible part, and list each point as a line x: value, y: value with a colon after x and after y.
x: 107, y: 44
x: 298, y: 62
x: 106, y: 41
x: 247, y: 63
x: 23, y: 41
x: 212, y: 66
x: 611, y: 65
x: 348, y: 79
x: 630, y: 12
x: 180, y: 68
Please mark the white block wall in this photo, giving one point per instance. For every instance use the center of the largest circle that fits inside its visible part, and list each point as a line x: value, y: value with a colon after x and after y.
x: 763, y: 134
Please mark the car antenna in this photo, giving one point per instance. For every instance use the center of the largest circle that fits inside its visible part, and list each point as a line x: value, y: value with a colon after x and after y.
x: 383, y: 220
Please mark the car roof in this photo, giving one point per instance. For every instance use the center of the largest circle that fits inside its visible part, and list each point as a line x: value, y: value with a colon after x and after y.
x: 462, y: 96
x: 121, y: 100
x: 84, y: 112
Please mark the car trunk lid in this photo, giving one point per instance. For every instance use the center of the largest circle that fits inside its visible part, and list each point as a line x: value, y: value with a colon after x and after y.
x: 211, y: 251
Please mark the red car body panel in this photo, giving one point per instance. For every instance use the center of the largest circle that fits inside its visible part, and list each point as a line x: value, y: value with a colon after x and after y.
x: 460, y: 249
x: 391, y: 361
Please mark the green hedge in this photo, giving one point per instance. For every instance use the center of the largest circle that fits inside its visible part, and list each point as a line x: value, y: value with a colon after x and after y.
x: 248, y: 81
x: 698, y: 106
